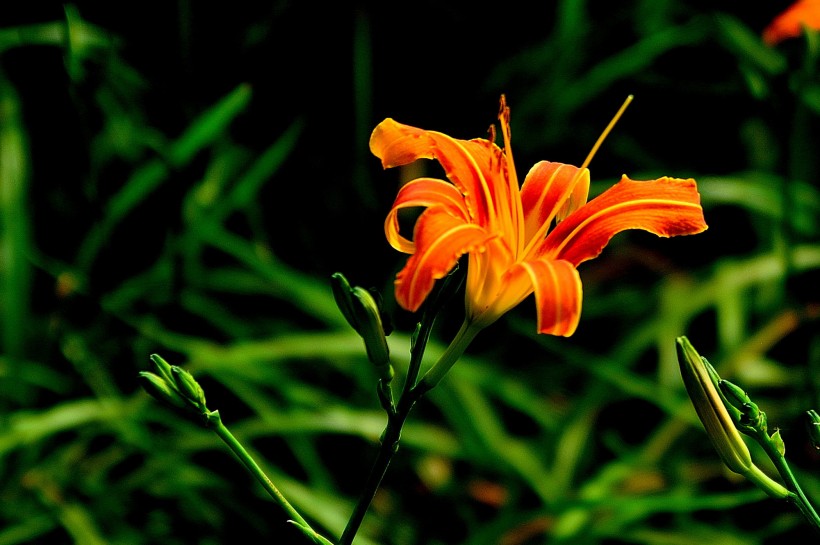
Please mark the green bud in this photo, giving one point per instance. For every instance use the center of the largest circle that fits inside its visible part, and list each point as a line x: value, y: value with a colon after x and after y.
x: 161, y: 390
x: 343, y: 294
x: 175, y: 387
x: 701, y: 382
x: 188, y: 387
x: 720, y: 426
x: 734, y: 394
x: 363, y: 312
x: 749, y: 412
x: 163, y: 368
x: 369, y: 318
x: 813, y: 425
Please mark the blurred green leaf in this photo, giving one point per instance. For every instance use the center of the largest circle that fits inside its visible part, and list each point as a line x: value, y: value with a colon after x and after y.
x: 15, y: 223
x: 748, y: 46
x: 810, y: 95
x: 26, y: 427
x: 202, y: 132
x: 78, y: 36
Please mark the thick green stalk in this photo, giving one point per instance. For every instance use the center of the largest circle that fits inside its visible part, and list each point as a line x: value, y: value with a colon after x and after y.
x: 395, y: 420
x: 389, y: 446
x: 797, y: 497
x: 451, y: 355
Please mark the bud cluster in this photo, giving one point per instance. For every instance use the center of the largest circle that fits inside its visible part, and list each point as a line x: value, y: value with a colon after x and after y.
x: 175, y: 387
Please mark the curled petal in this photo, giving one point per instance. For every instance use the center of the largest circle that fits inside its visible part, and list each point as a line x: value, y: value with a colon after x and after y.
x: 422, y: 192
x: 558, y: 295
x: 467, y: 163
x: 440, y: 239
x: 547, y: 189
x: 666, y: 207
x: 790, y: 23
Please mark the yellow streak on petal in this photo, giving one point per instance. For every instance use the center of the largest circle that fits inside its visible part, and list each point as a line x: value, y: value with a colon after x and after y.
x: 617, y: 210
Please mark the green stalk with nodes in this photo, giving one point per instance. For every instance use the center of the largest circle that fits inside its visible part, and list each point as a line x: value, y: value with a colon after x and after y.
x: 725, y: 410
x: 750, y: 420
x: 364, y: 315
x: 178, y: 389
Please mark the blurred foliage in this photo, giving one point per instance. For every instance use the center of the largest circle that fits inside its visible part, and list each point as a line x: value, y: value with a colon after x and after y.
x: 185, y: 179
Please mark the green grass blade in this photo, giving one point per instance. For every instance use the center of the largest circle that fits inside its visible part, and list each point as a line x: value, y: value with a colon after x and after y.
x: 206, y: 129
x: 15, y: 241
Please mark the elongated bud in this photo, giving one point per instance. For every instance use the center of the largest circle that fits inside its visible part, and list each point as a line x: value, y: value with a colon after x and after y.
x: 163, y: 368
x: 750, y: 414
x: 368, y: 315
x: 159, y: 389
x: 712, y: 412
x: 701, y: 381
x: 188, y: 387
x: 343, y: 293
x: 363, y: 313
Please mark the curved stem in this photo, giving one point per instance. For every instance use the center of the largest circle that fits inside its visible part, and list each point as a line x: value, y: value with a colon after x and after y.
x: 389, y: 446
x: 800, y: 499
x: 451, y: 355
x: 797, y: 497
x: 215, y: 423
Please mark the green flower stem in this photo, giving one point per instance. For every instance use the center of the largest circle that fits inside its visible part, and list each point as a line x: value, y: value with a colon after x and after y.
x: 389, y: 446
x: 395, y: 419
x: 797, y: 497
x: 215, y: 423
x: 451, y: 355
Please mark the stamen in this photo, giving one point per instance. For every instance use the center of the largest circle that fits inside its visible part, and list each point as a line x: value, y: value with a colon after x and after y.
x: 542, y: 231
x: 606, y: 132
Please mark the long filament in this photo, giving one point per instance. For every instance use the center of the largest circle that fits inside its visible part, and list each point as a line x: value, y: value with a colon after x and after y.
x: 539, y: 235
x: 606, y: 132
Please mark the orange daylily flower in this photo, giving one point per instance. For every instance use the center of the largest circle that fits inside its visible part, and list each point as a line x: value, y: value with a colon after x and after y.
x: 790, y: 23
x: 505, y: 228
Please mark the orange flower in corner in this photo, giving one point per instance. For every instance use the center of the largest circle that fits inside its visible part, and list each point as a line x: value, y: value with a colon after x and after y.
x: 790, y: 23
x: 505, y: 228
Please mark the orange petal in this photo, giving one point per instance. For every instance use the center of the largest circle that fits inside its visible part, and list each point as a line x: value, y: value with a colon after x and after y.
x: 423, y: 192
x: 558, y: 295
x: 441, y: 239
x: 467, y: 163
x: 547, y: 188
x: 790, y: 23
x: 666, y: 207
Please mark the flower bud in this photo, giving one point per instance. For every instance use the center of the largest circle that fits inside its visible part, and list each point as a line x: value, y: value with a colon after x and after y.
x: 159, y: 389
x: 188, y: 387
x: 163, y: 368
x: 370, y: 323
x: 342, y: 292
x: 701, y: 381
x: 176, y: 387
x: 712, y: 412
x: 749, y: 413
x: 363, y: 312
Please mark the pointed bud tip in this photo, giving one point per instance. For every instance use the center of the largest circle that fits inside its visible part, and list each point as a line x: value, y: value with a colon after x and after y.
x: 160, y: 389
x: 189, y: 387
